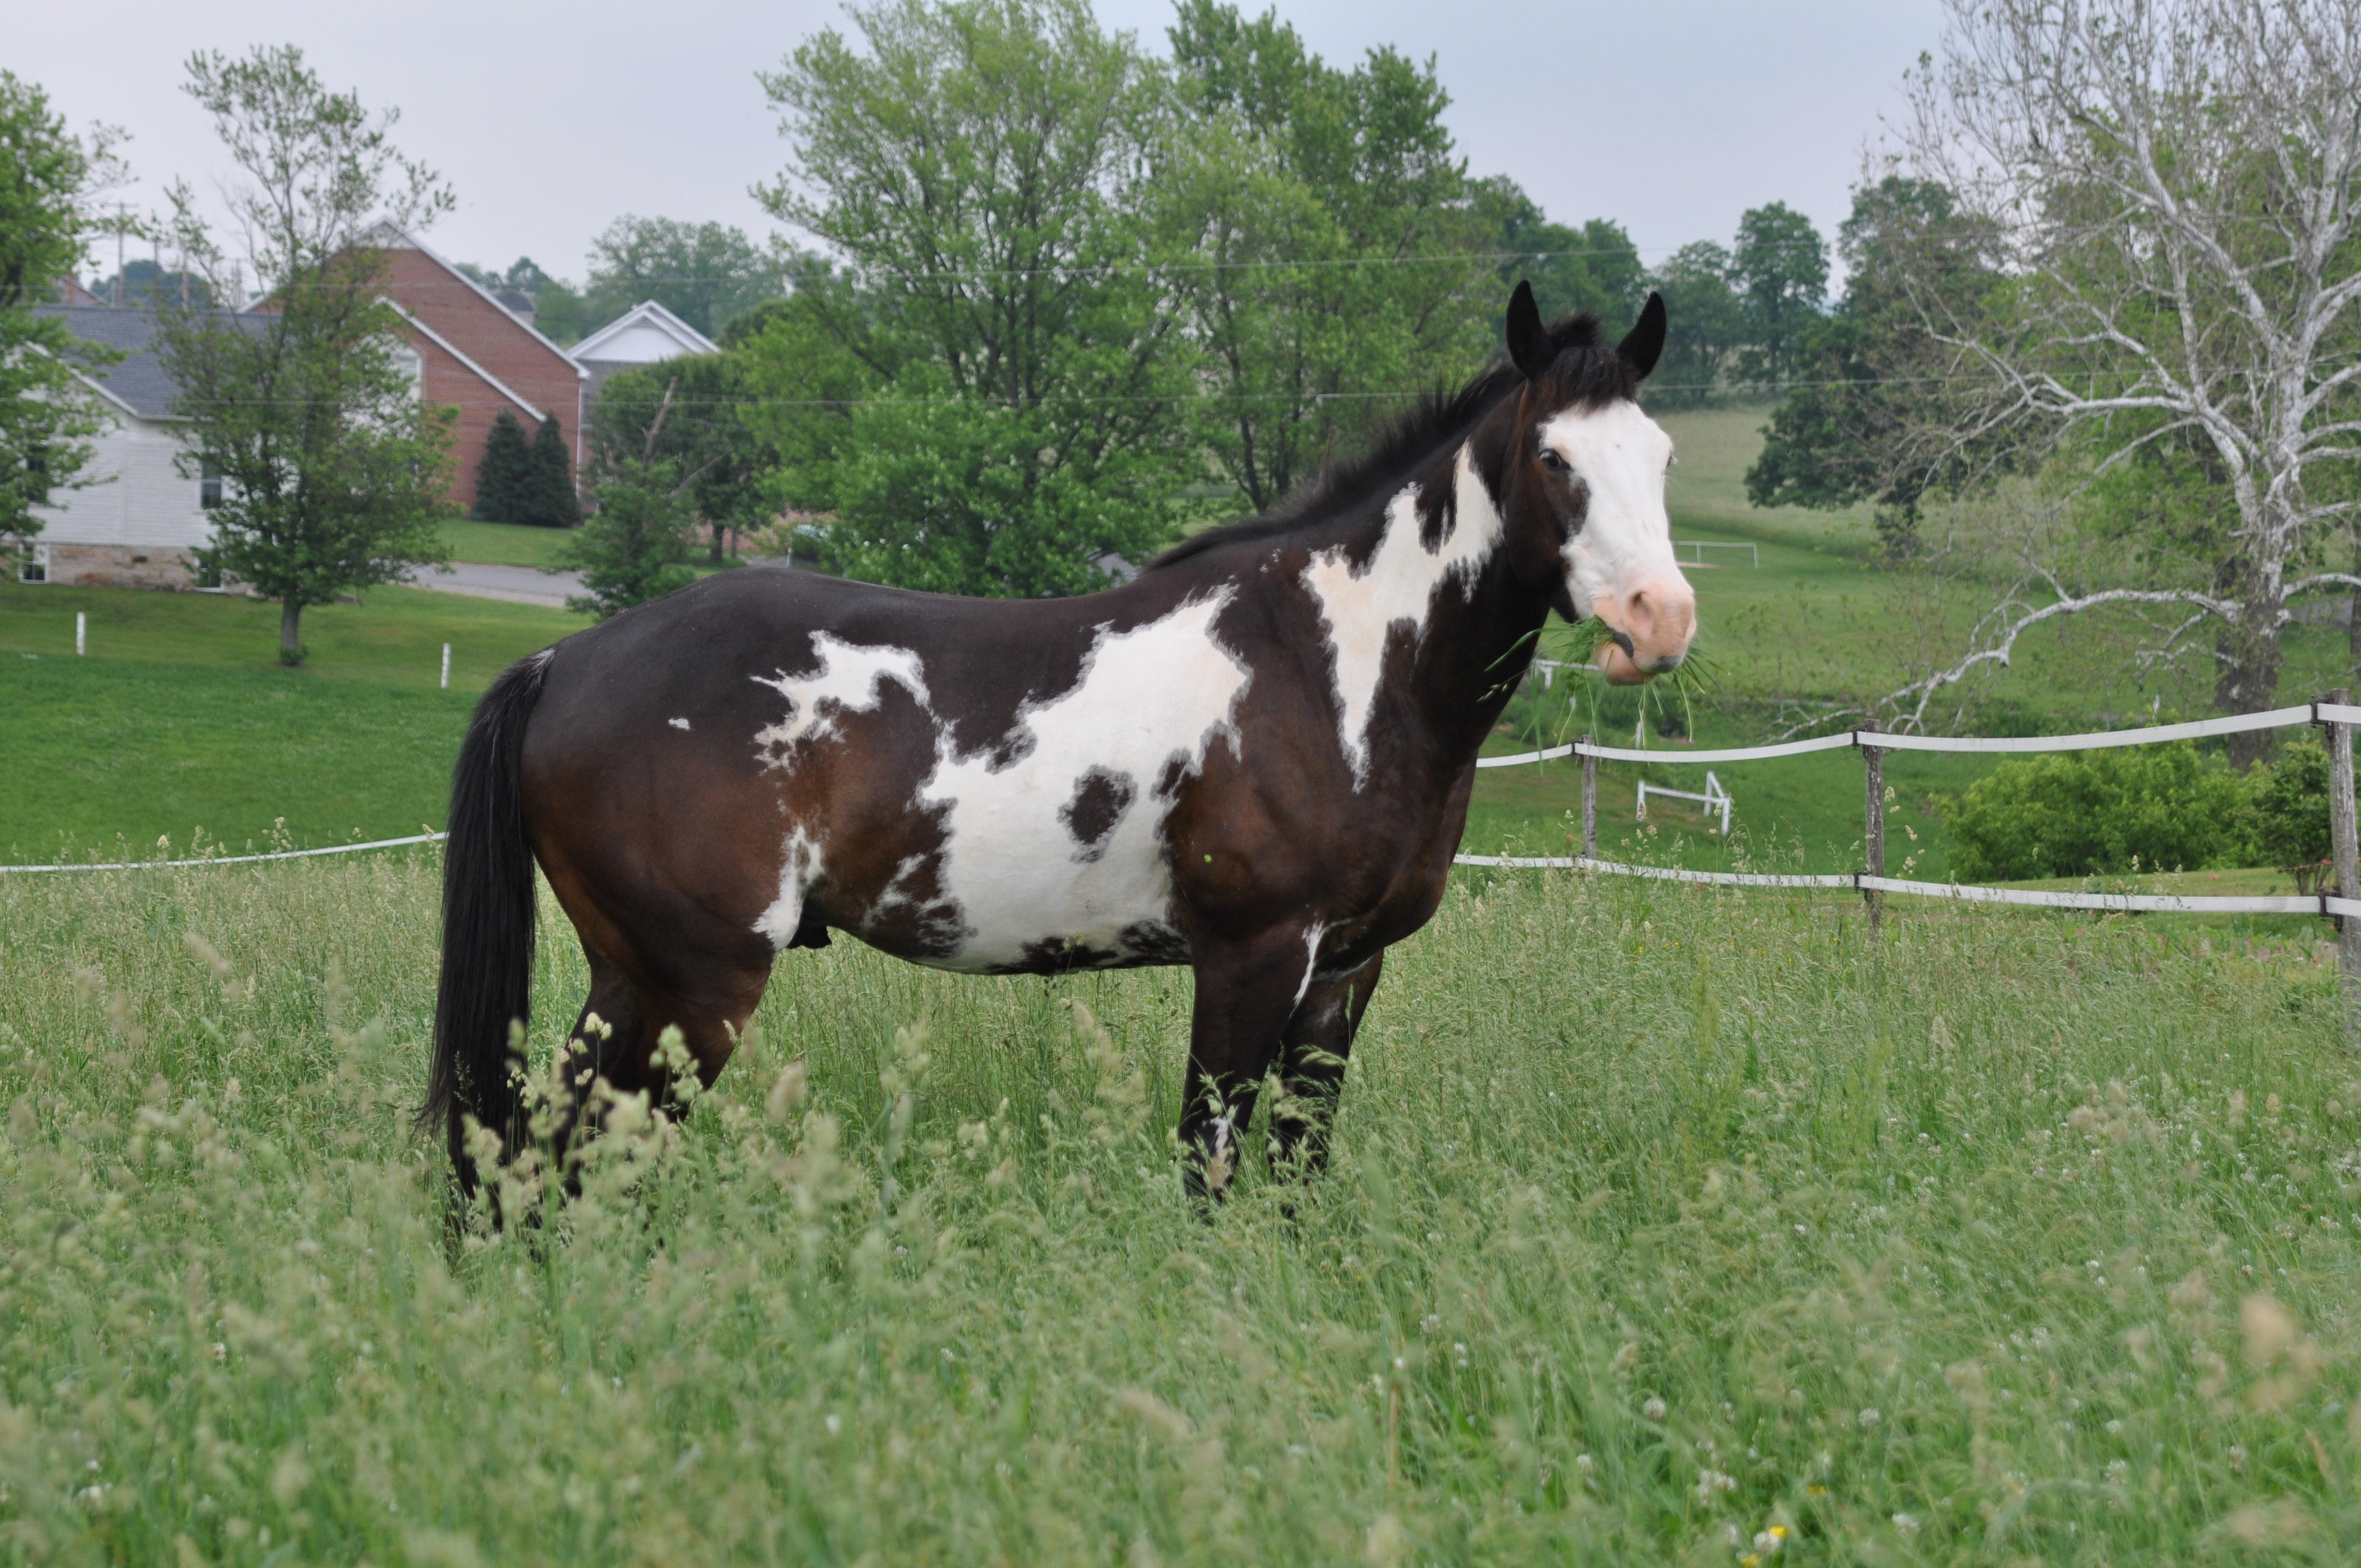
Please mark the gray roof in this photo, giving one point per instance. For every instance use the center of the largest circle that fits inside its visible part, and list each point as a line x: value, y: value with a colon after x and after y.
x: 138, y: 377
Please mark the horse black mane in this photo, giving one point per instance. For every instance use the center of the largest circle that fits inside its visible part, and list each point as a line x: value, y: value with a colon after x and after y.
x: 1584, y: 374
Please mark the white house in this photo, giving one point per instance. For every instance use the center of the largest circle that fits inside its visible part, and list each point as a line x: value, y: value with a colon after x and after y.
x: 647, y: 334
x: 133, y: 522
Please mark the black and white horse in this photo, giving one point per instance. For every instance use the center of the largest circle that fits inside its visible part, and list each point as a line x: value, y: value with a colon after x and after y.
x: 1253, y: 760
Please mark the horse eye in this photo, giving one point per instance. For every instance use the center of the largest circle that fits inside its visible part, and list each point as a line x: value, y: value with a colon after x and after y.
x: 1552, y: 461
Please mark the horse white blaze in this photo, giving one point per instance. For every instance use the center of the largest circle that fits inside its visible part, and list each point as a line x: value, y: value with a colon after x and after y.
x: 1396, y: 587
x: 1619, y: 564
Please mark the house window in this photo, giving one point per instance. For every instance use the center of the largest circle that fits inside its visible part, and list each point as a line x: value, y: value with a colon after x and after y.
x: 33, y: 564
x: 209, y: 491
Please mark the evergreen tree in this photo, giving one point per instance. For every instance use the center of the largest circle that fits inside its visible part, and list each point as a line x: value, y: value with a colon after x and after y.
x: 551, y: 500
x: 504, y: 479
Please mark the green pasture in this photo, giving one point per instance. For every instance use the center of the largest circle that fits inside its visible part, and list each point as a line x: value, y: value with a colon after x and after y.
x: 503, y: 544
x: 1666, y: 1225
x: 181, y: 720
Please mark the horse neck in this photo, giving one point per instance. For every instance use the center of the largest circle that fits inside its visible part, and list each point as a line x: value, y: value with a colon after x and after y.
x: 1480, y: 634
x: 1438, y: 554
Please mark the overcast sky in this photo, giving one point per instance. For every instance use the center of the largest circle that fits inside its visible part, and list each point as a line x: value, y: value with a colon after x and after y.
x: 1671, y: 117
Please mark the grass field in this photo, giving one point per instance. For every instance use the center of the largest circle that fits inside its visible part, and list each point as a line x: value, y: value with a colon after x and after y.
x: 1665, y: 1227
x: 180, y: 719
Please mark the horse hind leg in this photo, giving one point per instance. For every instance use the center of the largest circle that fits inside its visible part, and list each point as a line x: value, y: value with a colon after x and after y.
x: 1313, y: 1049
x: 616, y: 1047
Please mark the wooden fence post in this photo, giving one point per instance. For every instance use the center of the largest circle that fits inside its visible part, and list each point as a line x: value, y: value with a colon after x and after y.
x: 1874, y: 829
x: 1589, y: 803
x: 2342, y: 836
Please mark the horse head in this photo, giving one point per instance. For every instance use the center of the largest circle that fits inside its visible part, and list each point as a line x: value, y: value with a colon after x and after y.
x: 1585, y: 487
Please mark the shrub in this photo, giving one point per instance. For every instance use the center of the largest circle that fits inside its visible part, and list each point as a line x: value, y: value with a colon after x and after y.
x: 634, y: 548
x: 2095, y: 813
x: 2290, y: 801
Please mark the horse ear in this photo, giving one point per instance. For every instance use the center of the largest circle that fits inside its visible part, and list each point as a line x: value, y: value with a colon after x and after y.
x: 1644, y: 343
x: 1529, y: 344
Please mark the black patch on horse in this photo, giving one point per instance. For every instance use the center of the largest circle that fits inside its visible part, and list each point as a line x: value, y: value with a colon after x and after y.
x: 1100, y: 797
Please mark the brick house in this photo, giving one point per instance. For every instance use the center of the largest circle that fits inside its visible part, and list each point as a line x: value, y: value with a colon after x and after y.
x: 478, y: 357
x: 135, y: 524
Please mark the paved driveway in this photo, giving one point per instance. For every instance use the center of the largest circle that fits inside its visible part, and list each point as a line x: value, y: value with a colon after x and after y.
x: 518, y: 584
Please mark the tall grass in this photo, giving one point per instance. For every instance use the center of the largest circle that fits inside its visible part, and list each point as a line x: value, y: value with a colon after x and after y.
x: 1664, y: 1227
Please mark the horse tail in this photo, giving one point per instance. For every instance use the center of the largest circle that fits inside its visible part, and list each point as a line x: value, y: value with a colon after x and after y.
x: 488, y: 921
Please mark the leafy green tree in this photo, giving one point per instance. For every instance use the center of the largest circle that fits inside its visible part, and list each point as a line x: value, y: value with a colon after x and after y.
x: 1873, y: 416
x: 333, y: 469
x: 1703, y: 324
x: 1329, y: 245
x: 2172, y: 183
x: 808, y: 364
x: 724, y: 466
x: 703, y: 273
x: 983, y: 166
x: 1595, y: 268
x: 48, y: 416
x: 550, y: 498
x: 504, y: 477
x: 634, y: 546
x: 1780, y: 267
x: 563, y: 315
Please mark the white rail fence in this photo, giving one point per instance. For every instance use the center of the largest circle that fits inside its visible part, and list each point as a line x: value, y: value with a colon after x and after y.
x: 230, y: 860
x: 1754, y: 553
x: 1712, y: 797
x: 2336, y: 717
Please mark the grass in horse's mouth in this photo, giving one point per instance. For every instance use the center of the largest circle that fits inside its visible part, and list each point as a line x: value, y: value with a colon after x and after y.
x: 1577, y: 648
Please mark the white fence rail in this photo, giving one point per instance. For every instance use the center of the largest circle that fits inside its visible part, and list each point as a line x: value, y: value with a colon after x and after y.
x: 229, y: 859
x: 2336, y: 717
x: 1754, y: 553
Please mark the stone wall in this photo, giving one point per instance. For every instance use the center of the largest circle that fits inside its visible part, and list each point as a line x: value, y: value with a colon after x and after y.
x: 120, y: 566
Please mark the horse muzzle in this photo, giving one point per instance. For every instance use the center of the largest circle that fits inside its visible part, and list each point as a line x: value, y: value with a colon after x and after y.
x: 1649, y: 631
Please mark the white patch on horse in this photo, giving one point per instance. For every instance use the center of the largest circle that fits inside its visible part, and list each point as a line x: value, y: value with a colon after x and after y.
x: 848, y: 680
x: 1397, y: 586
x: 798, y: 865
x: 1312, y: 935
x: 1626, y: 536
x: 677, y: 723
x: 1150, y: 703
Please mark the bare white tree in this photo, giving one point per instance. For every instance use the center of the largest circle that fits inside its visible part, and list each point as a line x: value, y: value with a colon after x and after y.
x: 2174, y: 187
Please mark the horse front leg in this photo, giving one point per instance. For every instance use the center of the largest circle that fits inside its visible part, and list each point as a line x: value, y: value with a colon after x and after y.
x: 1314, y: 1045
x: 1245, y: 993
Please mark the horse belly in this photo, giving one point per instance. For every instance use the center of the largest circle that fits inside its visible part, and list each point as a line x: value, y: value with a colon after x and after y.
x: 1033, y: 900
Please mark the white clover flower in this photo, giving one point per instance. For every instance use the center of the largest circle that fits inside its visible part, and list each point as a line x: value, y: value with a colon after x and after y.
x: 1654, y: 1409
